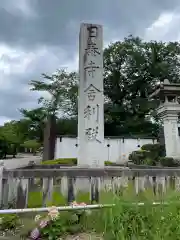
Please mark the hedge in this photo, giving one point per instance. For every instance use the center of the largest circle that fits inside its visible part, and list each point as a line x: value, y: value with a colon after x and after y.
x: 149, y: 154
x: 139, y: 157
x: 63, y: 161
x: 156, y: 150
x: 168, y: 162
x: 70, y: 162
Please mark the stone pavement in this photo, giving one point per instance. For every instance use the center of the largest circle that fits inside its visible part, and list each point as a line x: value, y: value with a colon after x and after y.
x: 21, y: 160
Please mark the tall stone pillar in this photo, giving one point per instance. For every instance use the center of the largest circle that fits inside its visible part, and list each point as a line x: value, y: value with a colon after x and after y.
x: 91, y: 97
x: 171, y: 135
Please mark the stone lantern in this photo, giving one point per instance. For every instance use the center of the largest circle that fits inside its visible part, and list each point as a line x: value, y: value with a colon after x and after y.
x: 169, y: 109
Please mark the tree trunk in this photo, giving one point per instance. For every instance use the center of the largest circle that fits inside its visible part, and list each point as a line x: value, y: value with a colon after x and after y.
x: 49, y: 138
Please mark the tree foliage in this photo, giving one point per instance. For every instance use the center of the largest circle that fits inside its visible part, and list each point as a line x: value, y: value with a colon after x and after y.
x: 31, y: 145
x: 132, y: 69
x: 12, y: 134
x: 61, y: 88
x: 36, y: 118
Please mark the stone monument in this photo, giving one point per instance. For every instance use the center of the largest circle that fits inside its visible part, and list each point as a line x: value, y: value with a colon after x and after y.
x: 91, y: 97
x: 169, y: 109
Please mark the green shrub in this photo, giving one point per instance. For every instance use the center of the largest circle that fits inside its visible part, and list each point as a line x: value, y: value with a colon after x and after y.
x: 64, y: 224
x: 149, y: 161
x: 139, y: 157
x: 168, y: 162
x: 151, y: 147
x: 31, y: 144
x: 63, y: 161
x: 156, y: 150
x: 149, y: 154
x: 9, y: 222
x: 108, y: 163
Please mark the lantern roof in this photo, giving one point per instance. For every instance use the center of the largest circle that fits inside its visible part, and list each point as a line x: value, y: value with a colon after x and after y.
x: 166, y: 89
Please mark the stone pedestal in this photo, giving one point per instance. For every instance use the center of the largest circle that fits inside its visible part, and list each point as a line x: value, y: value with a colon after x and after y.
x: 171, y: 136
x: 91, y: 98
x: 168, y: 112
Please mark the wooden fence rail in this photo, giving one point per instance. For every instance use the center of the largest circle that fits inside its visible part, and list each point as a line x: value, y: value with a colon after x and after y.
x: 16, y: 185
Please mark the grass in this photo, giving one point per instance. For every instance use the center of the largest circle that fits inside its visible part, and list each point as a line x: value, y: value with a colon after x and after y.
x: 127, y: 222
x: 126, y: 194
x: 133, y: 222
x: 123, y: 221
x: 35, y: 199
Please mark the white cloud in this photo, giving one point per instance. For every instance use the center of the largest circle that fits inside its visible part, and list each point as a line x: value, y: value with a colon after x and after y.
x: 16, y: 62
x: 19, y: 7
x: 163, y: 27
x: 4, y: 120
x: 71, y: 65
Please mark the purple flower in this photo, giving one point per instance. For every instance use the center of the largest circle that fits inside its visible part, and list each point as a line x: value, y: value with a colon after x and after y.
x: 35, y: 233
x: 43, y: 223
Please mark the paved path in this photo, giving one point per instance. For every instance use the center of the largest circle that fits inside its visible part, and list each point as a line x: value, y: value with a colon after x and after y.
x: 20, y: 161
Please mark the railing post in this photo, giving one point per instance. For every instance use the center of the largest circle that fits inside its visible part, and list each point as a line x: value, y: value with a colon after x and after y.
x: 161, y: 184
x: 31, y: 180
x: 71, y: 195
x: 5, y: 193
x: 139, y: 184
x: 22, y: 193
x: 12, y: 193
x: 68, y: 188
x: 1, y: 181
x: 48, y: 184
x: 64, y: 186
x: 94, y: 189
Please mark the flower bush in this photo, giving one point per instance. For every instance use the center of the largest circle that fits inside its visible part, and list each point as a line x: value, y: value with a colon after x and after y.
x: 9, y: 222
x: 55, y: 224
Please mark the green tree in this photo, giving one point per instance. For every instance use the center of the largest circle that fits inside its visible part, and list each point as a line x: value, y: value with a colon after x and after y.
x: 32, y: 145
x: 4, y: 145
x: 62, y: 92
x: 132, y: 68
x: 12, y: 134
x: 36, y: 118
x: 60, y: 88
x: 67, y: 126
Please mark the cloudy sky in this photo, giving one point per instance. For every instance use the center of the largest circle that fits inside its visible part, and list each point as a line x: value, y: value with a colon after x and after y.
x: 39, y: 36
